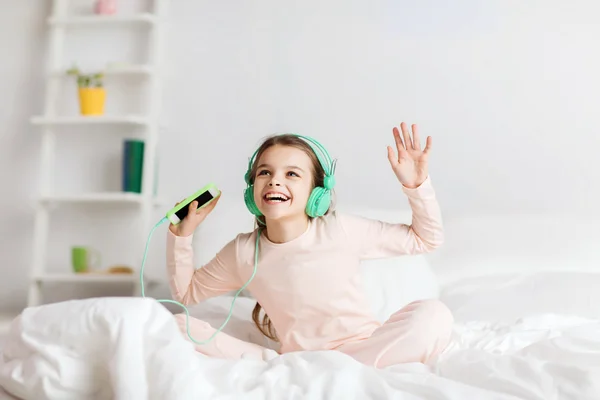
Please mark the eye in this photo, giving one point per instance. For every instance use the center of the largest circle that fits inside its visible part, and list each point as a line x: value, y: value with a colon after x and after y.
x: 292, y: 173
x: 262, y: 172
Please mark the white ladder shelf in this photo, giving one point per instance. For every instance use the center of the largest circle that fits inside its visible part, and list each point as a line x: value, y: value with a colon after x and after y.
x: 49, y: 123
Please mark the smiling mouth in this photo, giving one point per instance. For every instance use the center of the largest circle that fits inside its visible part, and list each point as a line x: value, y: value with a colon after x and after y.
x: 275, y: 198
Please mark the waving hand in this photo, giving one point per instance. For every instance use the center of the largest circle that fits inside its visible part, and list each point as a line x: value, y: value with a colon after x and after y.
x: 410, y: 163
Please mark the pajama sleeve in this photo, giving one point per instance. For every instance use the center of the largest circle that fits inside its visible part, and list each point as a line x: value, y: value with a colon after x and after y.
x: 371, y: 238
x: 191, y: 286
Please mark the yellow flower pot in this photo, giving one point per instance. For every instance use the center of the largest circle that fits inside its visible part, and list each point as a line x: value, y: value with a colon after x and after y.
x: 91, y: 100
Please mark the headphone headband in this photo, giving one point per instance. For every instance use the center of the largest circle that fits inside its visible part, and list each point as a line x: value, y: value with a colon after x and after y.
x: 325, y: 159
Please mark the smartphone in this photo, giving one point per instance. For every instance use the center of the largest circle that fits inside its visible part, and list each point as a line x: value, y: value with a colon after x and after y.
x: 203, y: 196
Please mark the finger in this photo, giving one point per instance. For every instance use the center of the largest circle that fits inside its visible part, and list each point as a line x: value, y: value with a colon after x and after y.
x: 415, y: 137
x: 392, y: 157
x: 193, y: 207
x: 402, y: 153
x: 428, y: 145
x: 398, y: 139
x: 406, y: 134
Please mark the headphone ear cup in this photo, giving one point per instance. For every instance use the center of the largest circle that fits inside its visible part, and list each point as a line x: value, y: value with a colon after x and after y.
x: 249, y: 200
x: 318, y: 202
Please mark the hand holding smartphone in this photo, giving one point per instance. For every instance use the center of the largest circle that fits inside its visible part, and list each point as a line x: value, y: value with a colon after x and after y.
x: 189, y: 213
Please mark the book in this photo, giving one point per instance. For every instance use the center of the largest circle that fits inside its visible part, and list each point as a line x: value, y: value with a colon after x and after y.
x: 133, y: 165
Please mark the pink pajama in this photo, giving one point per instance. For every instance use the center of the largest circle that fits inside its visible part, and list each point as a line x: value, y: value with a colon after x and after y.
x: 417, y: 333
x: 312, y: 289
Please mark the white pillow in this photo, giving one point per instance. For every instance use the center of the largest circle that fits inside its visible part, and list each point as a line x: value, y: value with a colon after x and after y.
x: 507, y: 297
x: 489, y: 244
x: 394, y: 282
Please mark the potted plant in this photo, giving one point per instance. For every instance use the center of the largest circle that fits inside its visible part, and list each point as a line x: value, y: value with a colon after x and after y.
x: 92, y: 94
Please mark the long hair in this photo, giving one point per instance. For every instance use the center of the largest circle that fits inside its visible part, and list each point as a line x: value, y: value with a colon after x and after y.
x: 318, y: 175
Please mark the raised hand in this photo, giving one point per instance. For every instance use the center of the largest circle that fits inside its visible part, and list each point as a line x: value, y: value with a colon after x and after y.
x: 410, y: 164
x: 194, y: 218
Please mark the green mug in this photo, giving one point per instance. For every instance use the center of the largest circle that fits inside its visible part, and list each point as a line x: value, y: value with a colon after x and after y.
x: 84, y: 258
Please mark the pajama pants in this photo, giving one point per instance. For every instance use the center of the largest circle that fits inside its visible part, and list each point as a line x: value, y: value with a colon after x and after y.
x: 417, y: 333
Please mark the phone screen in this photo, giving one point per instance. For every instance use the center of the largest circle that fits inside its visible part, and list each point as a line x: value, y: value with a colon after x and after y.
x: 204, y: 198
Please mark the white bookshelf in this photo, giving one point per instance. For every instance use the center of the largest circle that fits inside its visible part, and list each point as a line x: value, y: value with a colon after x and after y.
x: 50, y: 123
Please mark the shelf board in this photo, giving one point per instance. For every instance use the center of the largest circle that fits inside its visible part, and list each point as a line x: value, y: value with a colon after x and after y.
x: 100, y: 197
x: 89, y: 278
x: 90, y: 20
x: 124, y: 70
x: 90, y: 120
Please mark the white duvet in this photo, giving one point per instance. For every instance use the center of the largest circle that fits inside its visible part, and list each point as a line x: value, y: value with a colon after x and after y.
x: 127, y: 348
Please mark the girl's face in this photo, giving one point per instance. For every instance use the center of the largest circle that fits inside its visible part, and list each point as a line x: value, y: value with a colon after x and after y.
x: 283, y: 182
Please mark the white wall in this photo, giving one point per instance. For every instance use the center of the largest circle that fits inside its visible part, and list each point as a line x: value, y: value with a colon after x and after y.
x: 507, y: 89
x: 20, y: 83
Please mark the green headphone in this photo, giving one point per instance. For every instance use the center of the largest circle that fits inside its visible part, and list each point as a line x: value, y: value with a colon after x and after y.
x: 320, y: 197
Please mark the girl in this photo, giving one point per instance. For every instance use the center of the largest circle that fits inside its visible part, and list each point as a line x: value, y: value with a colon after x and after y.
x: 307, y: 280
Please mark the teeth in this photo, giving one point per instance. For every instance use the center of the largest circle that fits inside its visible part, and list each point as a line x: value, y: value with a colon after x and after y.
x: 276, y: 197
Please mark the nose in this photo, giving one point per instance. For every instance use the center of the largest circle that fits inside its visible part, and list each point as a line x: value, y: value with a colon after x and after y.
x: 274, y: 181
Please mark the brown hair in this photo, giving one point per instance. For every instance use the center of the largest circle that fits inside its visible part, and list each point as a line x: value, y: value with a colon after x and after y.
x: 318, y: 175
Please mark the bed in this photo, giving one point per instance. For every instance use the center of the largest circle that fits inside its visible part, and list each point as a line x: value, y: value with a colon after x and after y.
x: 521, y: 334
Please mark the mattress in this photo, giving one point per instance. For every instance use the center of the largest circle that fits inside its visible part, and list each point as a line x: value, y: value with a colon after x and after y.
x: 516, y: 336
